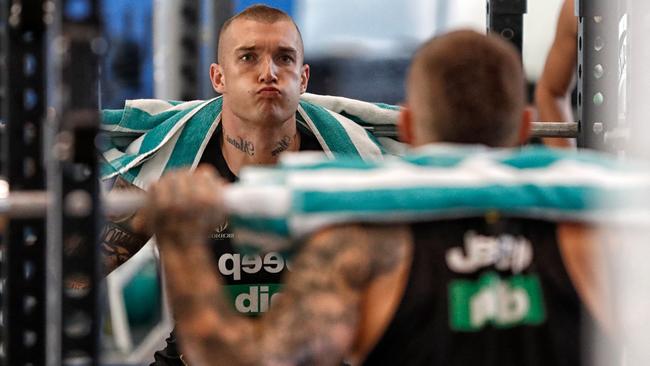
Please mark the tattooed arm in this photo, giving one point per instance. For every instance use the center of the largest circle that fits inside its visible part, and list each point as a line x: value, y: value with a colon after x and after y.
x: 316, y: 318
x: 122, y: 236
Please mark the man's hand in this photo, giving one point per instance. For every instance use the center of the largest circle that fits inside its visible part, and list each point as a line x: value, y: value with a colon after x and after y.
x: 185, y: 206
x: 182, y: 209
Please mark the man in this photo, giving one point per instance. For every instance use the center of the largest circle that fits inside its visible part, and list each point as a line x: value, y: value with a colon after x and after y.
x: 261, y: 56
x: 553, y: 93
x: 484, y: 290
x: 261, y: 76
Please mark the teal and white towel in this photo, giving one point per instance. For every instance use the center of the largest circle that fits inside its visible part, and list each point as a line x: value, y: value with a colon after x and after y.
x: 273, y: 208
x: 149, y: 137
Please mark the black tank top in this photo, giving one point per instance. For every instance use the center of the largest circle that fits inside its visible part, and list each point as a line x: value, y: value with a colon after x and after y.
x: 252, y: 281
x: 485, y: 293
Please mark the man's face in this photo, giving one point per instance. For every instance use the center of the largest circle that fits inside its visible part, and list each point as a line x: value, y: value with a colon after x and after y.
x: 261, y: 73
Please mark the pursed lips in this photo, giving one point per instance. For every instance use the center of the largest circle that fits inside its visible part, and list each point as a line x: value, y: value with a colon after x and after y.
x: 269, y: 91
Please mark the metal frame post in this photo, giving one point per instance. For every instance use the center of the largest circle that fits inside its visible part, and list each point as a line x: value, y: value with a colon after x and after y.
x: 23, y: 253
x: 176, y: 49
x: 190, y: 41
x: 215, y: 15
x: 597, y: 70
x: 75, y: 178
x: 506, y: 18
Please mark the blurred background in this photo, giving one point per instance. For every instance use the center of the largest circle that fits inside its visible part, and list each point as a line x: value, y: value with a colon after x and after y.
x: 357, y: 49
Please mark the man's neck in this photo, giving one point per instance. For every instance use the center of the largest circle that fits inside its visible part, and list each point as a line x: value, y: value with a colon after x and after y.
x: 245, y: 143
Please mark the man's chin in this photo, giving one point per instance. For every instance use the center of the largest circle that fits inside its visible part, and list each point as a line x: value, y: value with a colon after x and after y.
x: 273, y: 112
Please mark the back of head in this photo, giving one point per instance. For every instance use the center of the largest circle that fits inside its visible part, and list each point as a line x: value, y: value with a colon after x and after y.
x: 465, y: 87
x: 260, y: 13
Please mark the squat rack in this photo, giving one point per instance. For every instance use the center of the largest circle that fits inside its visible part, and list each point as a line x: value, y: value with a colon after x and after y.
x: 42, y: 323
x: 50, y: 136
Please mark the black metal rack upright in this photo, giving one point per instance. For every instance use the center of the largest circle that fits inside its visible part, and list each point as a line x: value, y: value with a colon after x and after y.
x: 75, y: 180
x: 506, y: 18
x: 189, y: 49
x: 23, y: 253
x: 42, y: 325
x: 598, y: 23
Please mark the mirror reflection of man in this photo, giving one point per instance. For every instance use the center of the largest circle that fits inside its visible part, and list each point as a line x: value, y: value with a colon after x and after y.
x: 261, y: 75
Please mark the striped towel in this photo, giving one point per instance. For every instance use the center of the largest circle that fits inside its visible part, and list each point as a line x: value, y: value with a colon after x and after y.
x: 273, y: 208
x: 149, y: 137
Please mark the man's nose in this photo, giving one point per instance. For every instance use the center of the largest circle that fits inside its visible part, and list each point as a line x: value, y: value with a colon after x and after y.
x: 268, y: 73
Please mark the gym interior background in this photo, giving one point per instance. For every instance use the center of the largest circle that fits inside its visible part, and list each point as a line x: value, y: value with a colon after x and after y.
x: 345, y: 43
x: 358, y: 49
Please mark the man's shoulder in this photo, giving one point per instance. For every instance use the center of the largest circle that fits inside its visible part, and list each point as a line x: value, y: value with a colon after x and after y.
x: 375, y: 248
x: 363, y: 233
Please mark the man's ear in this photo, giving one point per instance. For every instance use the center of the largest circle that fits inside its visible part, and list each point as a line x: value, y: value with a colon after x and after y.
x: 405, y: 125
x: 304, y: 78
x: 525, y: 126
x: 217, y: 78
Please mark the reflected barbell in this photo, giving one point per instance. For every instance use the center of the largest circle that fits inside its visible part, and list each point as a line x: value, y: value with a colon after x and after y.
x: 538, y: 129
x: 555, y: 129
x: 33, y: 204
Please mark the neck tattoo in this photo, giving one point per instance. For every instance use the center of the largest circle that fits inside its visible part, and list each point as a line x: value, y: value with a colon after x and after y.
x: 282, y: 145
x: 242, y: 145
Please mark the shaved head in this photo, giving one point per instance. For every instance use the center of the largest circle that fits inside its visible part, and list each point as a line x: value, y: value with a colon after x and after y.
x: 258, y: 13
x: 466, y: 87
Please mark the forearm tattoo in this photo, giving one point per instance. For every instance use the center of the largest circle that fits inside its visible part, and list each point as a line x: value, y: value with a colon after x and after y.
x: 118, y: 244
x: 242, y: 145
x: 76, y: 284
x: 209, y: 330
x: 119, y: 239
x: 282, y: 145
x: 313, y: 322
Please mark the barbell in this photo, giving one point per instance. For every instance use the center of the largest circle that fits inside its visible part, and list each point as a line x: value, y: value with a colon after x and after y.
x: 538, y: 129
x: 32, y: 204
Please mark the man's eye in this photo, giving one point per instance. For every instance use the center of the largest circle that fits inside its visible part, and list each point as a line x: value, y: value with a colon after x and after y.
x: 286, y: 59
x: 247, y: 57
